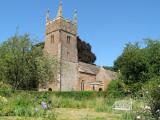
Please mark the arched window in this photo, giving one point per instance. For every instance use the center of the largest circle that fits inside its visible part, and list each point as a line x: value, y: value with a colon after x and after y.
x: 100, y: 89
x: 82, y: 85
x: 50, y: 89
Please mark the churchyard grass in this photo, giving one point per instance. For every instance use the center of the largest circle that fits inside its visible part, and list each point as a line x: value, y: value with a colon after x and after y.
x: 27, y: 105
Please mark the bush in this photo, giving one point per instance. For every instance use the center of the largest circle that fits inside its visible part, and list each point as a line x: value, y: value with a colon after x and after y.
x: 152, y: 83
x: 5, y: 89
x: 4, y: 86
x: 117, y: 89
x: 155, y: 103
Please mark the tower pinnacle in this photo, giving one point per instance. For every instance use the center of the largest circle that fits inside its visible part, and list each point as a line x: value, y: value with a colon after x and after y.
x: 75, y: 16
x: 47, y: 15
x: 59, y: 13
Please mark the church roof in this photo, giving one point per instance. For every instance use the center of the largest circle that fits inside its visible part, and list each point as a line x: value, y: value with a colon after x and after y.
x: 88, y: 68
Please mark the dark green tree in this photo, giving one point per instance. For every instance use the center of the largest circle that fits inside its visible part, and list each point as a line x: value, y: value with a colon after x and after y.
x: 85, y: 53
x: 23, y: 65
x: 138, y: 65
x: 132, y: 64
x: 153, y: 56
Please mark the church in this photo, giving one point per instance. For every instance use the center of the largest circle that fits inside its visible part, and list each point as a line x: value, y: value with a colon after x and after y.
x: 73, y: 75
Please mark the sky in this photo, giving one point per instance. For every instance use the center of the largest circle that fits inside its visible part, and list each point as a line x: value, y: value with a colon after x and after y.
x: 106, y: 24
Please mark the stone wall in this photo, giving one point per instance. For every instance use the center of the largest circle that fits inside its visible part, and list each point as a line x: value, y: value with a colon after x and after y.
x: 86, y: 79
x: 87, y: 74
x: 105, y: 76
x: 69, y: 48
x: 69, y: 76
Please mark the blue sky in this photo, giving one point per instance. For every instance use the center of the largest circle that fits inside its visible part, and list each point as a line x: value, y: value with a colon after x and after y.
x: 106, y: 24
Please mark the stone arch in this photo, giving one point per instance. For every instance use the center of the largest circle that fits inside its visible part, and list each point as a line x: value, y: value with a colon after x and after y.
x: 100, y: 89
x: 50, y: 89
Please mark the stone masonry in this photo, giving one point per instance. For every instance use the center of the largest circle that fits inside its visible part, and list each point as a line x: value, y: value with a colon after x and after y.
x: 73, y: 75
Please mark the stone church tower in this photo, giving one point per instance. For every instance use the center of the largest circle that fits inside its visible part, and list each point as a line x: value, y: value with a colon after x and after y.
x: 61, y: 42
x: 73, y: 75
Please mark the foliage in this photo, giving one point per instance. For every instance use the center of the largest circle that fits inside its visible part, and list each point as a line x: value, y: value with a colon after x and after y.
x: 117, y: 89
x: 132, y: 64
x: 150, y: 85
x: 4, y: 86
x: 155, y: 102
x: 85, y: 53
x: 109, y: 68
x: 138, y: 65
x: 24, y: 66
x: 24, y: 104
x: 153, y: 57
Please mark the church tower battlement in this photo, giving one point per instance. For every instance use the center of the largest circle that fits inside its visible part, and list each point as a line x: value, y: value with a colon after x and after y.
x: 62, y: 33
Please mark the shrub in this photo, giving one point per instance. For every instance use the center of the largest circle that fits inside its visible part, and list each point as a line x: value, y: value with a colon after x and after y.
x: 117, y: 89
x: 152, y: 83
x: 5, y: 89
x: 155, y: 103
x: 4, y: 86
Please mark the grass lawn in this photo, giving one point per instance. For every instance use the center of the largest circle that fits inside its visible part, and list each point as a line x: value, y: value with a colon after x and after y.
x: 84, y: 114
x: 65, y: 106
x: 74, y: 114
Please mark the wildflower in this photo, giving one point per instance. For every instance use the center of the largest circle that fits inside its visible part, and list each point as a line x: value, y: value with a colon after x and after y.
x: 36, y: 109
x: 138, y: 117
x: 158, y: 111
x: 3, y: 99
x: 35, y: 97
x: 147, y: 92
x: 147, y: 108
x: 44, y: 105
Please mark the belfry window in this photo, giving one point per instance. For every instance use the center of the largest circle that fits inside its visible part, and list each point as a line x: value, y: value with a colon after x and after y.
x: 68, y: 39
x: 52, y: 39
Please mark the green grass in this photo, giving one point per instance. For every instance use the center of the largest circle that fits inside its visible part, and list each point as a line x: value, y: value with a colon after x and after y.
x: 63, y: 106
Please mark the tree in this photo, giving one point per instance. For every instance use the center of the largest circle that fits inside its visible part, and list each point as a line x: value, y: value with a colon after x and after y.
x: 23, y: 65
x: 132, y: 64
x: 85, y: 53
x: 153, y: 56
x: 109, y: 68
x: 139, y: 64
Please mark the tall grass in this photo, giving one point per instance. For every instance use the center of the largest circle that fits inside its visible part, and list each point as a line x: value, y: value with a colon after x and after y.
x: 28, y: 104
